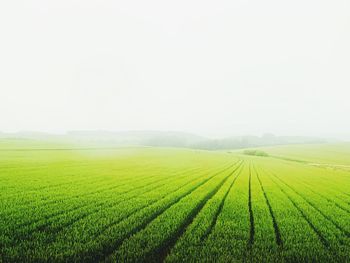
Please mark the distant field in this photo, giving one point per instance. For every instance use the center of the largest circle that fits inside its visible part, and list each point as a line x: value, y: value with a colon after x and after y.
x: 60, y: 204
x: 318, y: 153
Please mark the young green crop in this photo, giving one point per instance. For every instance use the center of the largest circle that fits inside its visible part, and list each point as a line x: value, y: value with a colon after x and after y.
x: 196, y: 233
x: 59, y: 204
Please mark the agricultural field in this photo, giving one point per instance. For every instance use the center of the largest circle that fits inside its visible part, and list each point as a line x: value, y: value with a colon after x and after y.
x: 62, y: 204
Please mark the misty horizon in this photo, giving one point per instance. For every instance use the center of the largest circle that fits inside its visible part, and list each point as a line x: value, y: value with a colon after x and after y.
x: 344, y: 137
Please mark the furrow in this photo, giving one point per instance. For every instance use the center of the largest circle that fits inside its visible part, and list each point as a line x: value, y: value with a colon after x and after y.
x: 316, y: 208
x: 144, y: 207
x: 114, y: 204
x: 251, y: 215
x: 162, y: 252
x: 279, y: 241
x: 326, y: 198
x: 323, y: 240
x: 108, y: 251
x: 45, y: 227
x: 125, y: 180
x: 218, y: 212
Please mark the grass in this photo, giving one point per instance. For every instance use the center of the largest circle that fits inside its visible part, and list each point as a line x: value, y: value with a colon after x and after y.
x: 64, y: 204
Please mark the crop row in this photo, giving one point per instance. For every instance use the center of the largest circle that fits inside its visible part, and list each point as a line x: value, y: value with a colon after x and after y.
x: 91, y: 224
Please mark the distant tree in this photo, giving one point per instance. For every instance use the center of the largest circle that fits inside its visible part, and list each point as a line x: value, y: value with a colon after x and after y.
x: 256, y: 153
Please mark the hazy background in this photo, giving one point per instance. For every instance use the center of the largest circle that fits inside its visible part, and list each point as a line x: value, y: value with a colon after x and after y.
x: 215, y: 68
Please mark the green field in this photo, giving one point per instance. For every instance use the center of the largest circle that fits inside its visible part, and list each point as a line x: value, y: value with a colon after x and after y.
x: 62, y: 204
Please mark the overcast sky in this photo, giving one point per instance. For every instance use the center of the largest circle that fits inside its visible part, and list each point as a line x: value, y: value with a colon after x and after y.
x: 209, y: 67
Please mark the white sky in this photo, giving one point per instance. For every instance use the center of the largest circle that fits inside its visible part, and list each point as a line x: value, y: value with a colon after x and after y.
x: 209, y: 67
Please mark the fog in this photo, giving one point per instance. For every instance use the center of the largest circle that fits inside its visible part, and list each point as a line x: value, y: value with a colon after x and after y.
x: 215, y: 68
